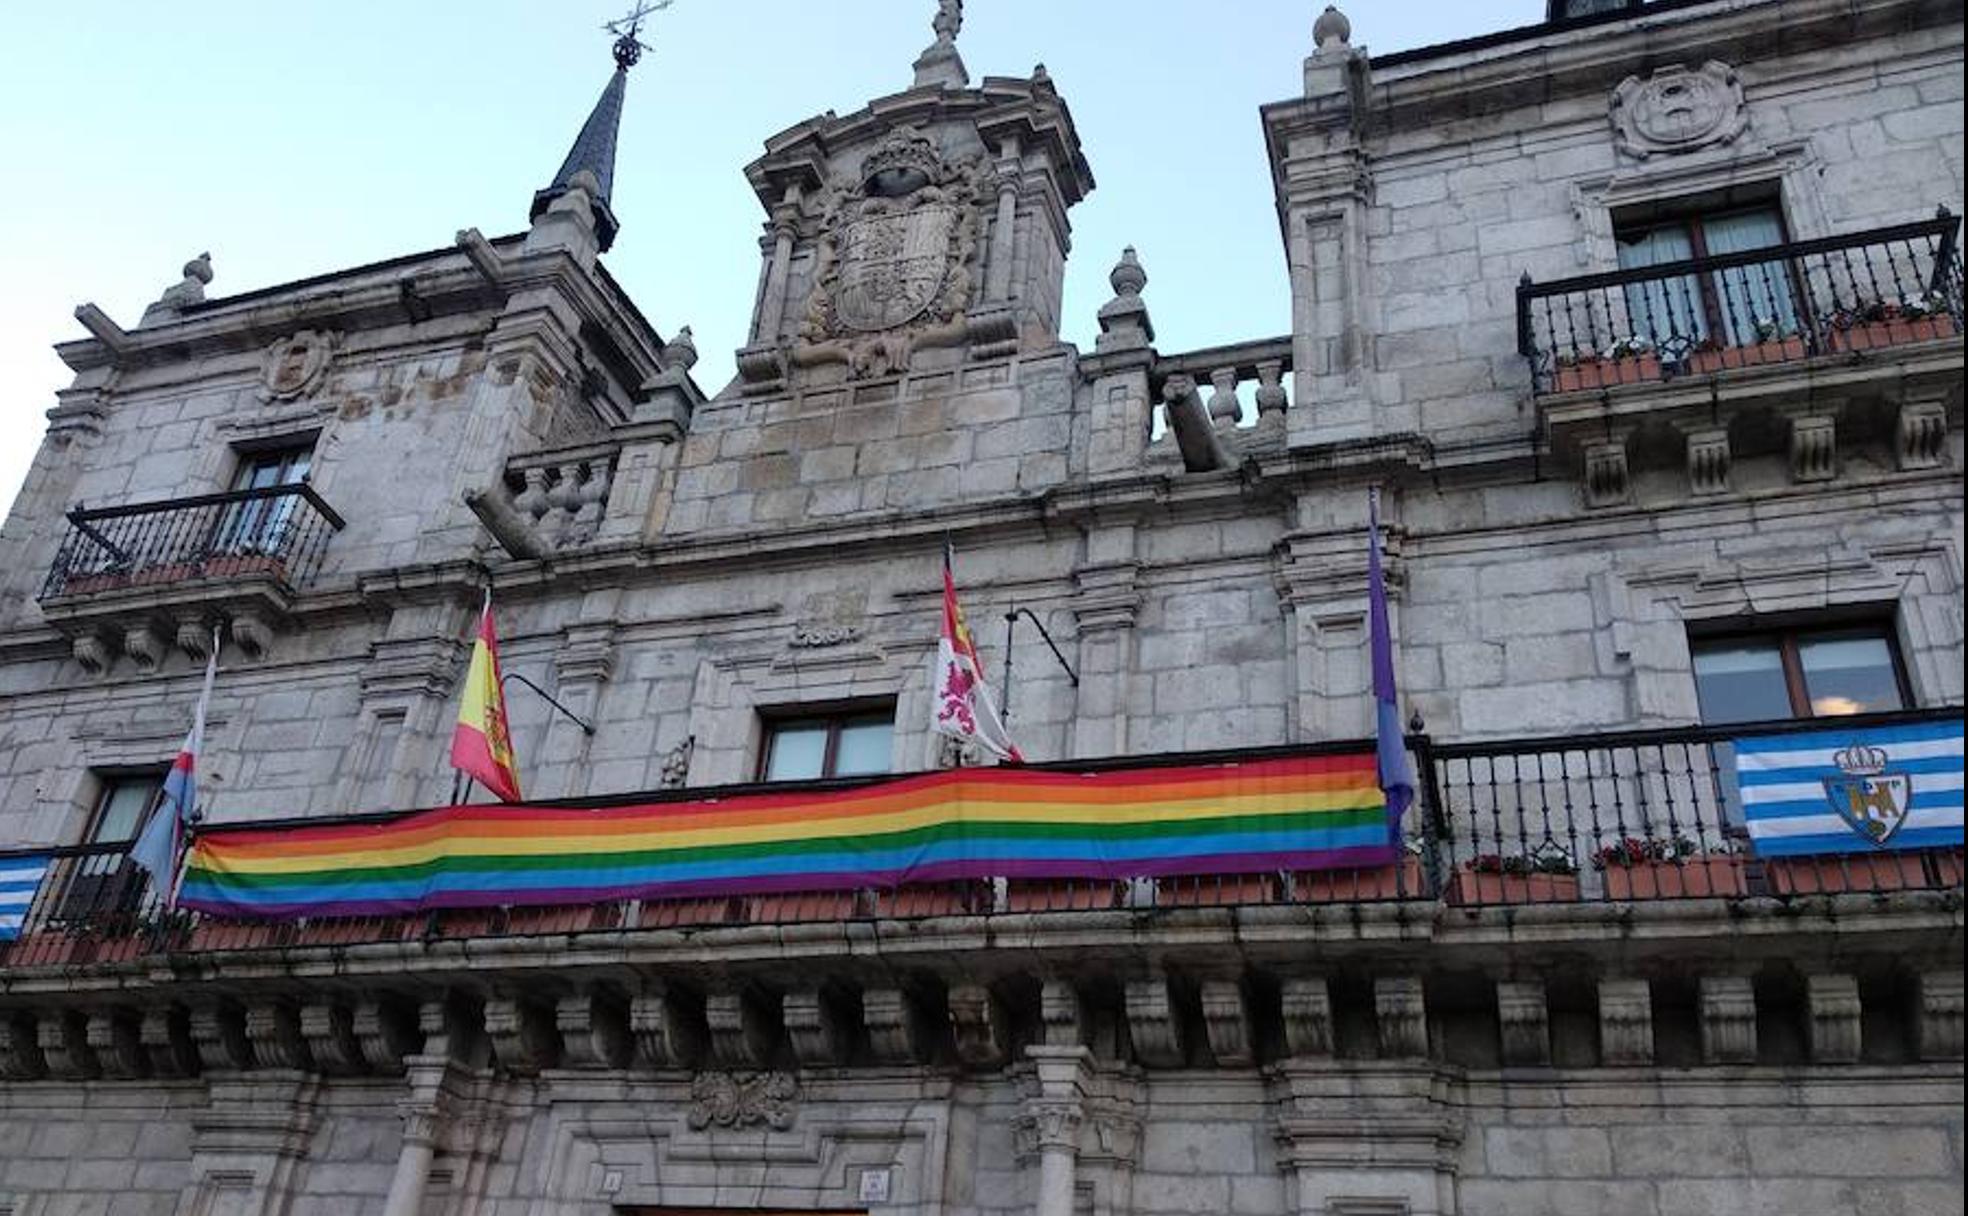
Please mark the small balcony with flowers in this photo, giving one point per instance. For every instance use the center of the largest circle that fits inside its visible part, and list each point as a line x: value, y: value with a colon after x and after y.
x: 135, y: 580
x: 1797, y: 348
x: 1225, y: 908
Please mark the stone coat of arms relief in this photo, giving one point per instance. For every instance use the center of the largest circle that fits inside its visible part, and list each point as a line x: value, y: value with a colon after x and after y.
x: 894, y: 271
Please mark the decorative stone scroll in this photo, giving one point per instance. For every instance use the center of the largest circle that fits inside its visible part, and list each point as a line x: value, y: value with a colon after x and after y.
x: 1626, y: 1022
x: 734, y: 1100
x: 1524, y: 1019
x: 1728, y: 1019
x: 1835, y: 1017
x: 1400, y: 1016
x: 1154, y: 1023
x: 1678, y: 109
x: 1307, y: 1007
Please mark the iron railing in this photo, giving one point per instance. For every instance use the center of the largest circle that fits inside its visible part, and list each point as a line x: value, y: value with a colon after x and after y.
x: 278, y: 532
x: 1593, y: 818
x: 1847, y: 294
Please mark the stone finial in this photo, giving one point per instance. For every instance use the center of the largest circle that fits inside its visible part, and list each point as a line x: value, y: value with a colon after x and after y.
x: 1124, y: 322
x: 188, y: 290
x: 1332, y: 30
x: 939, y: 66
x: 681, y: 351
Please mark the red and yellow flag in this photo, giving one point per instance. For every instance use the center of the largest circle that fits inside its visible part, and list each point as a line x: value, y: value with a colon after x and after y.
x: 481, y: 747
x: 964, y: 708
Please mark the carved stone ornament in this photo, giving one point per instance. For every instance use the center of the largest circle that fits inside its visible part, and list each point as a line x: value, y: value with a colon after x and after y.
x: 722, y: 1099
x: 820, y: 636
x: 295, y: 366
x: 895, y: 254
x: 1678, y: 109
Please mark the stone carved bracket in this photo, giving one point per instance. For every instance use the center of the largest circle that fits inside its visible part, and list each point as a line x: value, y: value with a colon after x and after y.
x: 1813, y: 447
x: 1154, y: 1024
x: 115, y: 1040
x: 1524, y: 1019
x: 669, y: 1030
x: 1307, y: 1006
x: 387, y: 1032
x: 594, y: 1030
x: 819, y: 1034
x: 1063, y: 1015
x: 1920, y: 435
x: 64, y: 1042
x: 1400, y: 1016
x: 1626, y: 1022
x: 21, y: 1058
x: 1940, y: 1014
x: 742, y: 1100
x: 165, y: 1032
x: 742, y: 1036
x: 1728, y: 1020
x: 1227, y: 1024
x: 524, y: 1036
x: 273, y: 1032
x: 978, y: 1021
x: 893, y: 1020
x: 1834, y: 1007
x: 219, y: 1033
x: 329, y: 1030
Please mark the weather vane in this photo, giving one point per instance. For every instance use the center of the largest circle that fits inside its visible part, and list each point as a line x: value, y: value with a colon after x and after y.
x: 628, y: 47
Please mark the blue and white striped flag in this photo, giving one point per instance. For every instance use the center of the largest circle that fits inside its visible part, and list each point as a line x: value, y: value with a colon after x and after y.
x: 1853, y: 791
x: 20, y: 879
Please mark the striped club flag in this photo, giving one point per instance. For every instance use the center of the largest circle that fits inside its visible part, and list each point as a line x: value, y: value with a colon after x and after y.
x: 20, y: 881
x: 1853, y: 791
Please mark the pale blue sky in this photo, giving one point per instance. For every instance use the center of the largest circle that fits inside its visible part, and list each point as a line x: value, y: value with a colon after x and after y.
x: 295, y: 139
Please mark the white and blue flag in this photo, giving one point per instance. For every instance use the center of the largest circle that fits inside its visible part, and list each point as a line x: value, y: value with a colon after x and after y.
x: 1854, y: 790
x: 20, y: 879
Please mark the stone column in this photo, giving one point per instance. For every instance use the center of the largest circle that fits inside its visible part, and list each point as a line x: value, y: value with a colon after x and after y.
x: 772, y: 309
x: 998, y: 277
x: 413, y: 1163
x: 1053, y: 1115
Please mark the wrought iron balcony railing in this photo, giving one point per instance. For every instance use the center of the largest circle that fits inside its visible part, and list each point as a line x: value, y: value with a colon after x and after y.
x: 1594, y: 819
x: 278, y: 532
x: 1866, y: 291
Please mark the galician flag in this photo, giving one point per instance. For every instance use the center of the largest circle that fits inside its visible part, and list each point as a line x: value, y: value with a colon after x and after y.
x: 161, y: 842
x: 481, y: 747
x: 1391, y: 753
x: 964, y: 708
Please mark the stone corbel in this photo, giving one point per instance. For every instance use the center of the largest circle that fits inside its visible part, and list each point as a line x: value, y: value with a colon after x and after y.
x: 1227, y: 1024
x: 978, y: 1022
x: 1626, y: 1022
x: 329, y: 1031
x: 274, y: 1033
x: 892, y: 1020
x: 1834, y: 1004
x: 1062, y: 1015
x: 21, y: 1058
x: 1307, y: 1006
x: 1524, y: 1018
x: 669, y: 1031
x: 1940, y: 1014
x: 252, y: 633
x: 819, y: 1035
x: 145, y: 646
x: 762, y: 368
x: 1728, y: 1019
x: 1709, y: 460
x: 93, y: 651
x: 742, y: 1036
x: 218, y: 1031
x: 387, y: 1032
x: 1154, y: 1024
x: 113, y: 1039
x: 1606, y: 478
x: 64, y: 1040
x: 166, y: 1037
x: 194, y: 638
x: 1400, y: 1016
x: 1813, y: 447
x: 1920, y: 435
x: 524, y: 1037
x: 594, y: 1030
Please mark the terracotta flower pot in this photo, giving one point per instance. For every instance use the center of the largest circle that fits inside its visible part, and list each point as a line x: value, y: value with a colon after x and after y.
x: 686, y: 913
x: 1692, y: 878
x: 1854, y: 872
x: 1892, y: 331
x: 1402, y: 880
x: 1471, y: 887
x: 1605, y: 373
x: 1756, y: 354
x: 1215, y: 890
x: 1062, y: 894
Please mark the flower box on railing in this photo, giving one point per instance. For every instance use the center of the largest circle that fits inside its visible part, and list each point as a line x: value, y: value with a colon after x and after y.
x: 242, y: 565
x: 1717, y: 876
x: 1756, y: 354
x: 1215, y: 890
x: 1888, y: 331
x: 1482, y: 882
x: 1864, y: 873
x: 1063, y: 894
x: 1402, y: 880
x: 1596, y: 372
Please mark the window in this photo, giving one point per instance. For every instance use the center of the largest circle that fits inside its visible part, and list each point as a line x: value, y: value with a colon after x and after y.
x: 260, y: 525
x: 106, y: 882
x: 854, y: 743
x: 1798, y: 673
x: 1733, y: 306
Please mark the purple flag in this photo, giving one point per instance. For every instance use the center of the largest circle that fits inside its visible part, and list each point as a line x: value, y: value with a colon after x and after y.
x: 1391, y: 753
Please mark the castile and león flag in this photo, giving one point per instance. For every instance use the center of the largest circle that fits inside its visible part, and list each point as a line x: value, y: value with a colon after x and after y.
x: 963, y: 707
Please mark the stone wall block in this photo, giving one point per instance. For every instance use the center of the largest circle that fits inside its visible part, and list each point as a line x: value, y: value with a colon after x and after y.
x: 1835, y: 1031
x: 1626, y: 1022
x: 1940, y: 1012
x: 1154, y: 1023
x: 1524, y: 1019
x: 1728, y: 1019
x: 1400, y: 1016
x: 1307, y: 1005
x: 977, y: 1020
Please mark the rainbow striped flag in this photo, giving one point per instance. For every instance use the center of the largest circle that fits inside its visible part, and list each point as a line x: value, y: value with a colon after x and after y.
x: 1286, y: 813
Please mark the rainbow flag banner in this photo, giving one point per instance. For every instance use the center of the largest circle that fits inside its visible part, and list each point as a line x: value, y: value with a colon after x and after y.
x: 1296, y: 812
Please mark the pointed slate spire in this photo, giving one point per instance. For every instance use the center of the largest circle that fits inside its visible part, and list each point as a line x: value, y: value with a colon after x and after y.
x: 593, y: 151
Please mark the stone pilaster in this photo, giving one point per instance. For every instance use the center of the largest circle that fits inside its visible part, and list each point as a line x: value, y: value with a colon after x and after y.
x: 1104, y: 609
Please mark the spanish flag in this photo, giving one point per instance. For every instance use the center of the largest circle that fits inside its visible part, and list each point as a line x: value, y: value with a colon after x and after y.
x: 481, y: 747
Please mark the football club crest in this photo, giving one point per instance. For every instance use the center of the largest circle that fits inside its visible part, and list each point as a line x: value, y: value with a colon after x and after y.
x: 1872, y: 800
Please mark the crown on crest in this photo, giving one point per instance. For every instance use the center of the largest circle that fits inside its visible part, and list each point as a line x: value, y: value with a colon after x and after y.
x: 1860, y: 760
x: 907, y: 154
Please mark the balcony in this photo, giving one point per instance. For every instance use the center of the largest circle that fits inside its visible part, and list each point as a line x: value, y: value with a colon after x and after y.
x: 1584, y: 821
x: 239, y: 556
x: 1838, y: 298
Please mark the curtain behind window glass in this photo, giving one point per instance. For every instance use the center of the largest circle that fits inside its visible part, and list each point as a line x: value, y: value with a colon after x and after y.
x: 1666, y: 312
x: 1749, y: 294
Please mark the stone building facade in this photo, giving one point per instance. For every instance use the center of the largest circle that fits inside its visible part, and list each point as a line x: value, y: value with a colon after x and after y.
x: 1589, y: 477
